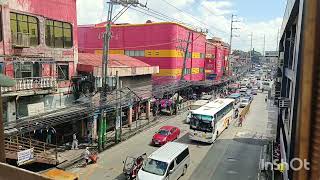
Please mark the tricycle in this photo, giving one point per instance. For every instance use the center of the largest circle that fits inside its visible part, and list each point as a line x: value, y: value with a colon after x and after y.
x: 132, y: 165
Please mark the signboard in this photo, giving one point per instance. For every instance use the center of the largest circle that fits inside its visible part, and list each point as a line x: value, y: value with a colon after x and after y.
x: 36, y: 108
x: 25, y: 156
x: 211, y: 76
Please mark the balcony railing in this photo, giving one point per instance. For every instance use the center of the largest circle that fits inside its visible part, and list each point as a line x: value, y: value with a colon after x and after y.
x: 32, y: 84
x: 20, y: 39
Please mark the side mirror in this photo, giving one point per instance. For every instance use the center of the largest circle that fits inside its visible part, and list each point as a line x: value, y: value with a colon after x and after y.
x: 171, y: 171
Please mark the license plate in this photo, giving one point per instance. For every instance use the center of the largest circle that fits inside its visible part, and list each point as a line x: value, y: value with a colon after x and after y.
x: 156, y: 142
x: 203, y: 135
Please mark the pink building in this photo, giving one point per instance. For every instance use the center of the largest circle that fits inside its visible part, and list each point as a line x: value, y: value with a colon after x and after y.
x: 216, y: 64
x: 38, y: 48
x: 158, y: 44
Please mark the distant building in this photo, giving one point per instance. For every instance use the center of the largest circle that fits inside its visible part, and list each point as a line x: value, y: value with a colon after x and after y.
x: 216, y: 62
x: 39, y: 49
x: 158, y: 44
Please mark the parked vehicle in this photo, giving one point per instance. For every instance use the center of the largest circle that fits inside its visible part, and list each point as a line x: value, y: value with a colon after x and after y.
x: 254, y: 92
x: 244, y: 103
x: 235, y: 96
x: 165, y: 134
x: 169, y: 162
x: 243, y: 91
x: 132, y: 165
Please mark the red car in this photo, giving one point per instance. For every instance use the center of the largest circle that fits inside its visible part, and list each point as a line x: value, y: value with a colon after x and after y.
x: 165, y: 134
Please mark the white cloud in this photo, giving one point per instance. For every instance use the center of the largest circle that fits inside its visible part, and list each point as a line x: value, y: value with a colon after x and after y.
x: 214, y: 15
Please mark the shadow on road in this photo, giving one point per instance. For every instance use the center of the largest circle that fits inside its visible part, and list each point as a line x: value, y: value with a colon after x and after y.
x: 252, y: 141
x: 185, y: 139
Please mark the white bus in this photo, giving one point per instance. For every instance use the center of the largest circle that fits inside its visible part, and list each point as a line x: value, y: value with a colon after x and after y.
x: 195, y: 106
x: 207, y: 122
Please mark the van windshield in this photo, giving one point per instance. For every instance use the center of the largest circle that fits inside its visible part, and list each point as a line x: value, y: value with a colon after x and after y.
x: 155, y: 167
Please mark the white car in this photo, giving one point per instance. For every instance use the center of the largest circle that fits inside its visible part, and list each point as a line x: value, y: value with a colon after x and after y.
x: 244, y: 103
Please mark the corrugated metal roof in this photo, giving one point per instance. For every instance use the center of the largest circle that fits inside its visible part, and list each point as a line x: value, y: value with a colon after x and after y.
x: 115, y: 60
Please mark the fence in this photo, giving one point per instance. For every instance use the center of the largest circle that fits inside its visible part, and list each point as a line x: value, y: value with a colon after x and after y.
x: 245, y: 110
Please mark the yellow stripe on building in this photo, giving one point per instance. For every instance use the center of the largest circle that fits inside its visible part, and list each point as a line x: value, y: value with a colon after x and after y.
x: 169, y: 72
x: 195, y: 55
x: 111, y: 51
x: 195, y: 71
x: 163, y: 53
x: 175, y: 72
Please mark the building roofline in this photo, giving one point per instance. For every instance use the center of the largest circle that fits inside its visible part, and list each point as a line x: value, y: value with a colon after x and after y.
x: 99, y: 25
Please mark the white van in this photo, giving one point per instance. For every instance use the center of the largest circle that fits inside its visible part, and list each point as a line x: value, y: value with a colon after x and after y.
x: 169, y: 162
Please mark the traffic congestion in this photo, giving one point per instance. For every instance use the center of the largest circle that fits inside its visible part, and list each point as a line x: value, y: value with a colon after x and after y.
x: 170, y: 148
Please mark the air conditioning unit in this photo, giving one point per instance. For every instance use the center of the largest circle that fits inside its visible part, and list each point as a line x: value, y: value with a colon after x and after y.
x: 284, y: 103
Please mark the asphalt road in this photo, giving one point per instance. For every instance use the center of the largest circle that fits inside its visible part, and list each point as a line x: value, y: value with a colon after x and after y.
x: 110, y: 162
x: 236, y: 153
x: 233, y: 156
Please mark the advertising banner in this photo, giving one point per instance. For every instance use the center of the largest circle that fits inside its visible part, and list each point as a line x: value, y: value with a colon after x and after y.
x: 25, y: 156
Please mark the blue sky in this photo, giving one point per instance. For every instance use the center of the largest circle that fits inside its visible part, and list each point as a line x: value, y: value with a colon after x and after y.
x: 260, y: 17
x: 259, y: 10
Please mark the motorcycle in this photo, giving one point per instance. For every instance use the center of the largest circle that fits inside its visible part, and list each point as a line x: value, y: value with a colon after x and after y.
x: 132, y: 165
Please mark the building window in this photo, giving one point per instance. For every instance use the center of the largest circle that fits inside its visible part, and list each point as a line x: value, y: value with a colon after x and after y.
x: 134, y: 53
x: 27, y: 70
x: 201, y: 70
x: 24, y: 26
x: 63, y: 71
x: 202, y: 55
x: 58, y: 34
x: 187, y: 71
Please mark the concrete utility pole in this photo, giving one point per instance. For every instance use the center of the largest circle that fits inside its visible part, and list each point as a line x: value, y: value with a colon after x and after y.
x: 106, y: 45
x: 251, y: 36
x: 231, y: 36
x: 277, y: 44
x: 264, y: 44
x: 185, y: 56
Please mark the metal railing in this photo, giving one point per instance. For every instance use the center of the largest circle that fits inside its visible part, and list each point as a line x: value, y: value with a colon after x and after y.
x: 43, y: 152
x: 31, y: 84
x: 20, y: 39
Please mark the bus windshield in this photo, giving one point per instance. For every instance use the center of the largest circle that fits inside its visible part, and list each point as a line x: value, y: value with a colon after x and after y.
x: 204, y: 125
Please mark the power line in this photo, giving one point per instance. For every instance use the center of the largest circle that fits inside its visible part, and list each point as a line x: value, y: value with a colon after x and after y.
x: 193, y: 17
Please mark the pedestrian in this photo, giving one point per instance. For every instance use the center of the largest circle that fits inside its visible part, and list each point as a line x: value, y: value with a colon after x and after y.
x: 50, y: 132
x: 86, y: 155
x: 240, y: 121
x: 236, y: 113
x: 74, y: 142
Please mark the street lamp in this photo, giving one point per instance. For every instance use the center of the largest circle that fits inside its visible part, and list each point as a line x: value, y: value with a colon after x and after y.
x: 5, y: 81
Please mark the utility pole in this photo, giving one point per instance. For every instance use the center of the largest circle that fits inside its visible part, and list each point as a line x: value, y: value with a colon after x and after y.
x: 185, y: 56
x: 106, y: 45
x: 277, y: 45
x: 251, y: 36
x: 231, y: 36
x: 118, y: 116
x: 264, y: 44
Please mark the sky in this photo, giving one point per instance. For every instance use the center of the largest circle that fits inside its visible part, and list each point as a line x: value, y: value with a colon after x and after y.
x: 259, y: 17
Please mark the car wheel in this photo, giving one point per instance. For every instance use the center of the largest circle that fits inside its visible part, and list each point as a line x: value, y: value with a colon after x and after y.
x: 184, y: 170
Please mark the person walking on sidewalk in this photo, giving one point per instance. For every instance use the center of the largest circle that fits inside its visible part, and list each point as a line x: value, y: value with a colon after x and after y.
x: 240, y: 121
x: 74, y: 142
